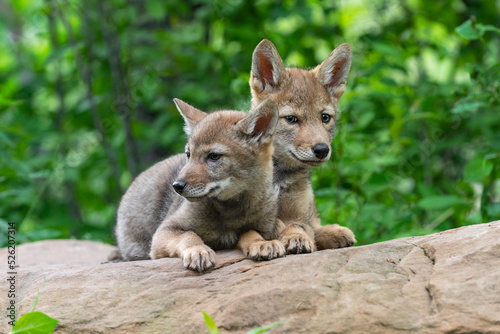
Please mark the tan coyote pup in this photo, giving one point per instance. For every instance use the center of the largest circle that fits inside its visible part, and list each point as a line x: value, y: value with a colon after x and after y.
x: 227, y: 196
x: 308, y: 110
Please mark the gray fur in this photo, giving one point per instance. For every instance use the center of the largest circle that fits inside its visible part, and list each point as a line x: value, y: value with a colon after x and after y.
x: 247, y: 201
x: 148, y: 200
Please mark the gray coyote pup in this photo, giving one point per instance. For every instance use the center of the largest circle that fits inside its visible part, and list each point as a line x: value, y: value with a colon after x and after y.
x: 217, y: 195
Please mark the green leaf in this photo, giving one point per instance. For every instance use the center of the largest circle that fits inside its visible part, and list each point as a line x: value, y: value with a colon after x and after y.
x: 477, y: 169
x: 156, y: 9
x: 483, y: 28
x: 35, y: 323
x: 396, y: 128
x: 264, y: 329
x: 493, y: 209
x: 471, y: 106
x: 492, y: 74
x: 38, y: 295
x: 439, y: 202
x: 467, y: 30
x: 212, y: 327
x: 6, y: 139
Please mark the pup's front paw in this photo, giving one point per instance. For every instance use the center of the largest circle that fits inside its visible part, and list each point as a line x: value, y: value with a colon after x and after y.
x: 266, y: 250
x: 296, y: 243
x: 333, y: 236
x: 198, y: 258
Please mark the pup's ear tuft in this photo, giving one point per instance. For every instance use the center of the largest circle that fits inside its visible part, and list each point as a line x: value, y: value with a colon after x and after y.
x: 333, y: 72
x: 268, y: 70
x: 190, y: 114
x: 260, y: 123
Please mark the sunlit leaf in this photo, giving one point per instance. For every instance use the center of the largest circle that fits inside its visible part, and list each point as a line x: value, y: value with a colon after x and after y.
x: 264, y: 329
x: 469, y: 106
x: 212, y: 327
x: 467, y: 30
x: 396, y: 128
x: 477, y: 169
x: 34, y: 323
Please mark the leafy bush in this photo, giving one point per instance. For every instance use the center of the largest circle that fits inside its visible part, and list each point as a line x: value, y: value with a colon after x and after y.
x: 86, y: 91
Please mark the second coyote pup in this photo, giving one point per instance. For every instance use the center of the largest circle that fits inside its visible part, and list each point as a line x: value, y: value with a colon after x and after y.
x: 308, y: 110
x: 225, y: 180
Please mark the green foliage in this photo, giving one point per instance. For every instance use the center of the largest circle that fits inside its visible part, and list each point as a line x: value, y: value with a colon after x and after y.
x: 264, y: 329
x: 417, y: 149
x: 86, y: 94
x: 35, y: 322
x: 471, y: 31
x: 213, y: 329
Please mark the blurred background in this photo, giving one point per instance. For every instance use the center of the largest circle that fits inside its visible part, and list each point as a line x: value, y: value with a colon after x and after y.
x: 86, y: 92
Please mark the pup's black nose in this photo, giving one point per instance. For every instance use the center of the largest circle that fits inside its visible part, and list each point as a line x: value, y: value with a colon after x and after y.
x: 179, y: 186
x: 320, y: 150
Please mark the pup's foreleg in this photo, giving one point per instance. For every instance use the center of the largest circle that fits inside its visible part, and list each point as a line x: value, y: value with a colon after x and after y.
x: 172, y: 242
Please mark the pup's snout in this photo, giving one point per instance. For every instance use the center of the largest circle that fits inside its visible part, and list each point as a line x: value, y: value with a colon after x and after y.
x: 179, y: 186
x: 320, y: 150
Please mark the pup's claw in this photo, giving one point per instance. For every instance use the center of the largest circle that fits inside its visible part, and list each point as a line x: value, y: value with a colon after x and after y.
x: 266, y: 250
x: 198, y: 258
x: 297, y: 244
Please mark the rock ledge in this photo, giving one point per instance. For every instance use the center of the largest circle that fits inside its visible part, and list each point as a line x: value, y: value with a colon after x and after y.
x: 447, y: 282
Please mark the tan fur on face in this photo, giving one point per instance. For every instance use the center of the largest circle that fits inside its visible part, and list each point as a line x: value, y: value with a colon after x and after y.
x: 235, y: 168
x: 305, y: 95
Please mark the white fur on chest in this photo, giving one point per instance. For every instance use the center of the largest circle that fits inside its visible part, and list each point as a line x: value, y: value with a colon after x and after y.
x: 285, y: 183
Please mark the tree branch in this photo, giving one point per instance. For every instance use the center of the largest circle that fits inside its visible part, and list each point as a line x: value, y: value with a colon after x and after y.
x: 84, y: 70
x: 60, y: 92
x: 119, y: 84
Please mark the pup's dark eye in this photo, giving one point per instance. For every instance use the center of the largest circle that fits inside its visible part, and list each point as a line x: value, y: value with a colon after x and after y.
x: 325, y: 118
x: 291, y: 119
x: 214, y: 156
x: 188, y: 155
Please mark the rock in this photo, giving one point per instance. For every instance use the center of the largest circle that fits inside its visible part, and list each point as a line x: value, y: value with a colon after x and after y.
x: 447, y: 282
x: 60, y: 252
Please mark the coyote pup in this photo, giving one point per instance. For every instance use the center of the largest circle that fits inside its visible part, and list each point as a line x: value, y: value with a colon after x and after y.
x: 225, y: 180
x: 308, y: 110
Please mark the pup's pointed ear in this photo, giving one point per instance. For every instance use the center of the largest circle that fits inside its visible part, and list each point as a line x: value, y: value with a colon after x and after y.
x: 333, y: 72
x: 268, y: 71
x: 260, y: 122
x: 190, y: 114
